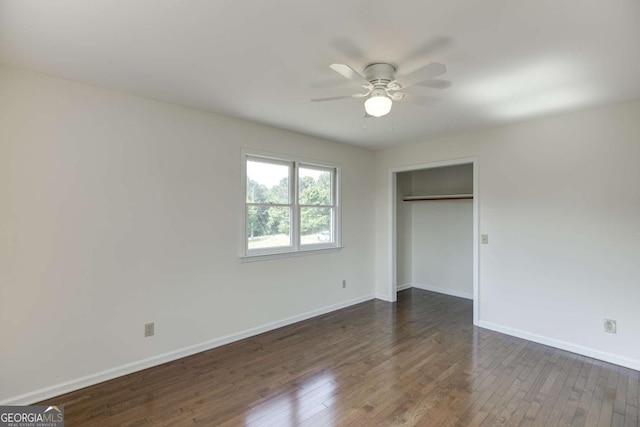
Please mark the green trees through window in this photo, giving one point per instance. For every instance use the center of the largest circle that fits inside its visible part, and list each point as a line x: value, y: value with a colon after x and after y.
x: 314, y: 189
x: 266, y: 220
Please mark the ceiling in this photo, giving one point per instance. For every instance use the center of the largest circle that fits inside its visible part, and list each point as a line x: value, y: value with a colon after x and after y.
x: 508, y: 60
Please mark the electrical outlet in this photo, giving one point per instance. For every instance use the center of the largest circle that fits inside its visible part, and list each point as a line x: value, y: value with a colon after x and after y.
x: 484, y: 239
x: 149, y: 329
x: 344, y: 284
x: 610, y: 326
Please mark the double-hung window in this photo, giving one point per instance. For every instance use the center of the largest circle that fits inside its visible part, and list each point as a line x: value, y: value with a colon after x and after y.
x: 291, y: 205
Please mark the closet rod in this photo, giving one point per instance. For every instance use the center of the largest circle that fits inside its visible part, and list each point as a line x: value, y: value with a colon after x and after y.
x: 438, y: 197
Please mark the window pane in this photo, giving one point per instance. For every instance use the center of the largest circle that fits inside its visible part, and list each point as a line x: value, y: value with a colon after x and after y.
x: 268, y: 226
x: 314, y: 186
x: 267, y: 182
x: 315, y: 225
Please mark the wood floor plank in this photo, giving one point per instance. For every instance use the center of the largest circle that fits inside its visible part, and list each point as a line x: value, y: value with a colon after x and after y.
x: 593, y: 415
x: 563, y: 402
x: 564, y: 368
x: 631, y: 416
x: 418, y: 362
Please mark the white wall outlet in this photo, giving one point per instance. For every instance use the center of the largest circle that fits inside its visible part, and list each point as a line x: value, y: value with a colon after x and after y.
x: 149, y: 329
x: 484, y: 239
x: 344, y: 284
x: 610, y: 326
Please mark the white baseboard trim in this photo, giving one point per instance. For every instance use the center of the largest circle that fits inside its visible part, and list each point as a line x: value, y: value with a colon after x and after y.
x: 445, y: 291
x: 109, y: 374
x: 403, y: 287
x: 563, y: 345
x: 383, y: 297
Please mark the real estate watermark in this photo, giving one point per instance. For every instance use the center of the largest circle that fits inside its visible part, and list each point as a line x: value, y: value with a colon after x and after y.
x: 31, y: 416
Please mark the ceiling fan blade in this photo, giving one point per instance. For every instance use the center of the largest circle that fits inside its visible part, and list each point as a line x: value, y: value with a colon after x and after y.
x: 427, y: 72
x: 348, y: 49
x: 349, y: 73
x: 427, y: 49
x: 436, y: 84
x: 332, y: 98
x: 335, y: 98
x: 419, y: 100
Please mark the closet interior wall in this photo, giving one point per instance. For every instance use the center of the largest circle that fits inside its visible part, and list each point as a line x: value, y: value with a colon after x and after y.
x: 435, y: 238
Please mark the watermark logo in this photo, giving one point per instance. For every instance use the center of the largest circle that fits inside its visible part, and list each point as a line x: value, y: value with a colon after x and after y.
x: 31, y: 416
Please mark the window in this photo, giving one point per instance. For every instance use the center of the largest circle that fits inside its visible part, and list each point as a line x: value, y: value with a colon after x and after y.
x: 290, y: 205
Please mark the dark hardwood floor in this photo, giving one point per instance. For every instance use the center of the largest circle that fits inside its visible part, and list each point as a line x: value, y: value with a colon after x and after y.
x: 418, y: 362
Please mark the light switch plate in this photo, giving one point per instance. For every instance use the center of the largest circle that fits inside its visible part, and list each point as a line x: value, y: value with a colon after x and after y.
x: 484, y: 239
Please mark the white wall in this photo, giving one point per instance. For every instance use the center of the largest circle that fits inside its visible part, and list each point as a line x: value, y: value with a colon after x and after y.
x: 118, y: 210
x: 404, y: 240
x: 560, y: 201
x: 456, y: 179
x: 443, y: 246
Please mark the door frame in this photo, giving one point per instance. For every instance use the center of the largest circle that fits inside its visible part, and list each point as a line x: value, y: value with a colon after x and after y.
x: 393, y: 189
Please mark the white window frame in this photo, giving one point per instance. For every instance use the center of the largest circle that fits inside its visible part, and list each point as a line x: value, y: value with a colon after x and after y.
x: 296, y: 247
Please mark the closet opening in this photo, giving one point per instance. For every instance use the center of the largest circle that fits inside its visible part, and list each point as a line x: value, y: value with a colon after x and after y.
x: 434, y: 229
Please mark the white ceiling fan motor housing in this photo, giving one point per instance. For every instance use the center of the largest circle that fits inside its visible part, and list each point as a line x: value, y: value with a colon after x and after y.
x: 380, y: 74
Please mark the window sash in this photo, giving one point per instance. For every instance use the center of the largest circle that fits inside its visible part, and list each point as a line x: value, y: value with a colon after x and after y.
x: 332, y: 183
x: 270, y: 249
x: 275, y: 205
x: 291, y: 175
x: 332, y: 228
x: 332, y: 199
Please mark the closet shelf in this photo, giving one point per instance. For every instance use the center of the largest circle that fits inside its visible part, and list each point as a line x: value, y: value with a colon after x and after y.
x: 438, y: 197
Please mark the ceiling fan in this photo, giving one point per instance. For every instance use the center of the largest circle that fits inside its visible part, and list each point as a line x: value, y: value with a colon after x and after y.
x: 383, y: 87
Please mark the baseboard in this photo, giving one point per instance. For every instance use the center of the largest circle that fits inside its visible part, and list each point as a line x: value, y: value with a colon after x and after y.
x: 403, y: 287
x: 563, y: 345
x: 109, y: 374
x: 383, y: 297
x: 445, y: 291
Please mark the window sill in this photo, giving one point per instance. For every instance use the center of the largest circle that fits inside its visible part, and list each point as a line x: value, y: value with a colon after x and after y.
x: 305, y: 252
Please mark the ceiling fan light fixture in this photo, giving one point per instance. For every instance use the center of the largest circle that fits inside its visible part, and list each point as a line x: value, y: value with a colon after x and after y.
x: 378, y: 104
x: 379, y: 79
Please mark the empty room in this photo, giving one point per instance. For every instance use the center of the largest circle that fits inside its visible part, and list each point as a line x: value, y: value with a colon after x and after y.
x: 280, y: 213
